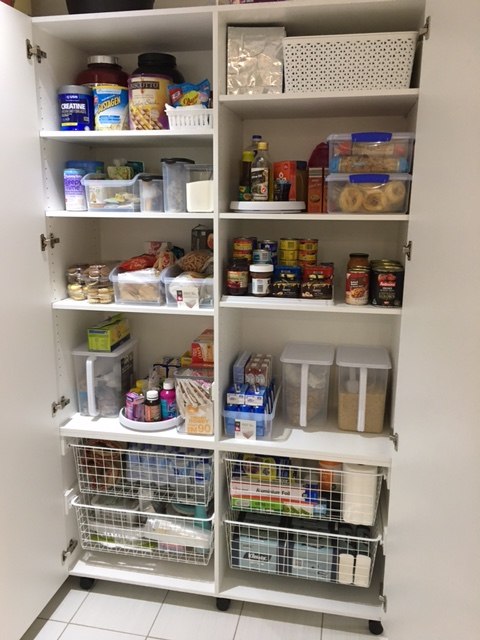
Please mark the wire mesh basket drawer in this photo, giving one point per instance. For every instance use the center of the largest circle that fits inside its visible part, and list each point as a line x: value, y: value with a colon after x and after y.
x: 127, y: 530
x: 302, y: 550
x: 349, y: 62
x: 189, y: 119
x: 275, y: 485
x: 131, y: 470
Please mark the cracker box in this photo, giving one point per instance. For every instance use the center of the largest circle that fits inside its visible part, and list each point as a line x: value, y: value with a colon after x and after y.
x: 202, y: 349
x: 109, y: 334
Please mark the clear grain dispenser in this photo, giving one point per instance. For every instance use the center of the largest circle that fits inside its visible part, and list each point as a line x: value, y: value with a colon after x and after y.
x: 306, y: 375
x: 362, y: 387
x: 103, y: 379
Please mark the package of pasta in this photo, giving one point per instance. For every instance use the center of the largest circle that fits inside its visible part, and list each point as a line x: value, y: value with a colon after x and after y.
x: 187, y: 94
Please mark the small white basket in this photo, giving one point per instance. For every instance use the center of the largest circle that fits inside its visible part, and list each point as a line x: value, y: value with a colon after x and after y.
x: 189, y: 119
x: 349, y: 62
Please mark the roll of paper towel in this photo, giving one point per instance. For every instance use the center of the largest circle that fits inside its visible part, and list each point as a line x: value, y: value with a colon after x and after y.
x: 359, y: 493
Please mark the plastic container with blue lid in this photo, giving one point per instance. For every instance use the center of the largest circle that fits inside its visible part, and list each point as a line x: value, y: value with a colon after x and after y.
x: 371, y: 152
x: 368, y: 193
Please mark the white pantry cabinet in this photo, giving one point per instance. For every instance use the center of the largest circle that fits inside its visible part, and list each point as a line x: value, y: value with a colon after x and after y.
x: 426, y: 580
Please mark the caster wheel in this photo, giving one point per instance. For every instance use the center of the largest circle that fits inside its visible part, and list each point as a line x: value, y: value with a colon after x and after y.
x: 223, y: 604
x: 86, y: 583
x: 375, y: 627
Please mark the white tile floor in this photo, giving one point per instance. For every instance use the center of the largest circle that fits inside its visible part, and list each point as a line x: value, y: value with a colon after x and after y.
x: 111, y: 611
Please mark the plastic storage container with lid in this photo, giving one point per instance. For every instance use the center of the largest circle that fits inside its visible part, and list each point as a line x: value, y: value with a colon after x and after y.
x: 148, y: 90
x: 370, y: 152
x: 102, y: 70
x: 151, y: 192
x: 362, y: 387
x: 369, y: 193
x: 175, y: 184
x: 103, y: 379
x: 199, y: 187
x: 306, y: 375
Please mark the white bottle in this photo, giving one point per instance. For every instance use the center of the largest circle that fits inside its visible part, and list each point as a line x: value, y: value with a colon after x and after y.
x: 262, y: 174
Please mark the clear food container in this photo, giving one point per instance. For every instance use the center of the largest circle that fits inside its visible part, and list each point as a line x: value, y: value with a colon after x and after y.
x: 199, y: 187
x: 138, y: 287
x: 370, y: 152
x: 189, y: 291
x: 115, y: 195
x: 306, y: 375
x: 362, y: 387
x: 368, y: 193
x: 151, y: 192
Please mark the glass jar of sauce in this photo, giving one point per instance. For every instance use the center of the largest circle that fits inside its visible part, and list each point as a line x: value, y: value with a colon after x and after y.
x: 237, y: 277
x: 357, y: 260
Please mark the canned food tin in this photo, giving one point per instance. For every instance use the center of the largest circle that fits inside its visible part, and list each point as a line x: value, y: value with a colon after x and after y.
x: 242, y: 255
x: 386, y: 287
x: 308, y: 245
x: 288, y: 254
x: 307, y: 256
x: 289, y: 244
x: 261, y: 256
x: 271, y: 245
x: 356, y: 286
x: 75, y: 103
x: 288, y: 263
x: 243, y: 244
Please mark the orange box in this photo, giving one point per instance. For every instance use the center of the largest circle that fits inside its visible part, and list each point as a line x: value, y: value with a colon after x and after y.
x: 202, y: 349
x: 315, y: 191
x: 287, y: 170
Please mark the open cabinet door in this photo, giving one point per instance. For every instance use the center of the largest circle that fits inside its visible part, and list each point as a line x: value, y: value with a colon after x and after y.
x: 433, y: 563
x: 32, y: 529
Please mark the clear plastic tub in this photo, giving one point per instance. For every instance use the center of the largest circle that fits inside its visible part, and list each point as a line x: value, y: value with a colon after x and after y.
x: 306, y: 375
x: 151, y: 192
x: 199, y: 187
x: 138, y: 287
x: 254, y: 426
x: 362, y: 387
x: 189, y: 292
x: 368, y: 193
x: 115, y: 195
x: 174, y: 184
x: 370, y: 152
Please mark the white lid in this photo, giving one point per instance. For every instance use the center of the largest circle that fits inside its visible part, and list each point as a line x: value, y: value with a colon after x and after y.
x: 261, y: 268
x: 360, y: 468
x: 308, y: 353
x: 152, y: 394
x: 83, y: 350
x: 168, y: 384
x: 361, y: 356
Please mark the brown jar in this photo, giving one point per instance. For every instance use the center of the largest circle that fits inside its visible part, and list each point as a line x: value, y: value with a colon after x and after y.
x: 102, y: 70
x: 357, y: 260
x: 237, y: 277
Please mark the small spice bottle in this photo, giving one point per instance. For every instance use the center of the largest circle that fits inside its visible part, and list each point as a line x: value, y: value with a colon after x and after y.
x: 237, y: 277
x: 261, y: 279
x: 151, y: 408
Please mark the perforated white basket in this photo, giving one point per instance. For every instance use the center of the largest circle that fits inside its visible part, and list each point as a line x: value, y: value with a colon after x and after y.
x: 349, y: 62
x: 187, y: 120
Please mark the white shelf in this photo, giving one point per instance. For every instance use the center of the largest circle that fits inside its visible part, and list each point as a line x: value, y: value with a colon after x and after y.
x: 393, y: 102
x: 329, y: 443
x: 83, y: 305
x: 134, y: 31
x: 187, y: 578
x: 130, y: 138
x: 298, y: 304
x: 119, y: 215
x: 323, y: 217
x: 80, y: 426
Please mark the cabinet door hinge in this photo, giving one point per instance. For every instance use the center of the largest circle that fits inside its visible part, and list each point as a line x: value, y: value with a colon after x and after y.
x: 56, y: 406
x: 50, y: 240
x: 34, y: 50
x: 383, y: 600
x: 407, y: 249
x: 72, y: 545
x: 424, y: 32
x: 394, y: 438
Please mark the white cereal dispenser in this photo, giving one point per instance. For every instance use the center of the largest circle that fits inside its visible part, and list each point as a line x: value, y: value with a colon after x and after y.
x: 103, y: 379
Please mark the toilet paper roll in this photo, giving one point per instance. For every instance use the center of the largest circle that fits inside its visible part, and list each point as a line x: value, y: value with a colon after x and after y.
x: 359, y: 493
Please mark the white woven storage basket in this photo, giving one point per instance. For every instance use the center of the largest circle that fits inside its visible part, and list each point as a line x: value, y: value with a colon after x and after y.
x: 349, y: 62
x: 189, y: 119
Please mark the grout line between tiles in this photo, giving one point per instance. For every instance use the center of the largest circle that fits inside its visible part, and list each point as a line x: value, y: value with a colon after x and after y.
x: 238, y: 620
x: 86, y: 626
x: 158, y: 613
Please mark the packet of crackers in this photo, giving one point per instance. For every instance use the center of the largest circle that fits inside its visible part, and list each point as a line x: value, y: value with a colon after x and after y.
x: 187, y: 94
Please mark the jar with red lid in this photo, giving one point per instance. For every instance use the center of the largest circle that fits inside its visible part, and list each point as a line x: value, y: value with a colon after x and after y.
x: 102, y: 70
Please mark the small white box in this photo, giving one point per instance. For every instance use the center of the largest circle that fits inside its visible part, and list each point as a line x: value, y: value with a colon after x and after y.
x: 362, y: 387
x: 199, y: 187
x: 306, y: 374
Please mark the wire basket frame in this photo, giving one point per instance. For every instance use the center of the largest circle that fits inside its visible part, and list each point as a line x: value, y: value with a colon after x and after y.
x: 349, y: 61
x: 128, y: 531
x: 144, y: 471
x: 339, y: 558
x: 259, y: 484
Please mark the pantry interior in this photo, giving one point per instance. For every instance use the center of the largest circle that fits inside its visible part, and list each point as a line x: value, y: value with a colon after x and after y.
x: 433, y: 340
